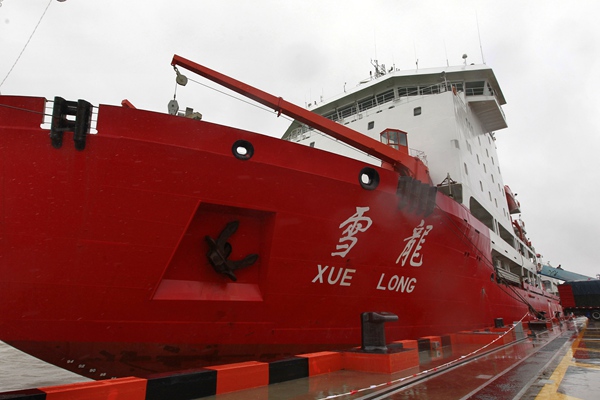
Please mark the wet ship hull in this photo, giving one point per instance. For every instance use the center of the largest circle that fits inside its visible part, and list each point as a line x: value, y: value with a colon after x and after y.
x: 104, y: 265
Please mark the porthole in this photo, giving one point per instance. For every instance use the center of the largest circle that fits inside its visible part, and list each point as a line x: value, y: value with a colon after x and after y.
x: 368, y: 178
x: 242, y: 150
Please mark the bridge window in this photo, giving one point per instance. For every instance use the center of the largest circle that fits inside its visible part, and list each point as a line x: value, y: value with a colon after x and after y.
x: 367, y: 103
x: 408, y: 91
x: 347, y: 111
x: 385, y: 96
x: 331, y: 115
x: 433, y: 89
x: 474, y: 88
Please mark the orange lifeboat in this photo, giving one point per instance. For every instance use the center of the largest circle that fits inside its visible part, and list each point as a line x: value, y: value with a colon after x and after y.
x: 513, y: 204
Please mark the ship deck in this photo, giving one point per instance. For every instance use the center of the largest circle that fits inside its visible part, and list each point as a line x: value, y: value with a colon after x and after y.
x: 562, y: 361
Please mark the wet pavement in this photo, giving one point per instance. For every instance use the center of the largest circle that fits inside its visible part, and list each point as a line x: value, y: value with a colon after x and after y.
x: 576, y: 374
x: 553, y: 362
x: 563, y: 363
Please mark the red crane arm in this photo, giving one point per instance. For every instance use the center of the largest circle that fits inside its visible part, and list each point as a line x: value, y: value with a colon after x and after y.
x: 403, y: 163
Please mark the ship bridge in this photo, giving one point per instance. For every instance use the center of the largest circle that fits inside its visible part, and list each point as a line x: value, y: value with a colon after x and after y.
x: 481, y: 100
x: 477, y: 82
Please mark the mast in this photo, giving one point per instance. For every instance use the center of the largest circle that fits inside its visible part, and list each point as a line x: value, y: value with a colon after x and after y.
x: 402, y: 163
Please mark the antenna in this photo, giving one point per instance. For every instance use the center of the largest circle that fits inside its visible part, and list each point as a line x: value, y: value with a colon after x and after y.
x: 446, y: 51
x: 415, y: 50
x: 375, y: 42
x: 479, y: 36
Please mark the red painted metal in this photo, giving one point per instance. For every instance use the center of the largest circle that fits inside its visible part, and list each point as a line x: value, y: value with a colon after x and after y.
x: 566, y: 296
x: 103, y: 256
x: 127, y: 103
x: 400, y: 161
x: 581, y: 297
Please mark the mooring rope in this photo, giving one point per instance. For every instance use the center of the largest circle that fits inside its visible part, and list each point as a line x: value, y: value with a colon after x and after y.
x: 425, y: 372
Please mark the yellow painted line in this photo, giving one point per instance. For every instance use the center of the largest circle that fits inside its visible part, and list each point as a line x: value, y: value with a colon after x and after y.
x: 585, y: 365
x: 589, y: 350
x: 550, y: 390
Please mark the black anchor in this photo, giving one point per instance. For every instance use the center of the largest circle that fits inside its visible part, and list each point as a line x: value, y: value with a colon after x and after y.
x: 220, y: 250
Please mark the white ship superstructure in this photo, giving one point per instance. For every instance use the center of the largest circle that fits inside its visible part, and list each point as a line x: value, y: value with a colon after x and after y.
x: 447, y: 117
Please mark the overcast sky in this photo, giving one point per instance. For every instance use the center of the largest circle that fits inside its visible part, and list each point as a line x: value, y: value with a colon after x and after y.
x: 545, y: 55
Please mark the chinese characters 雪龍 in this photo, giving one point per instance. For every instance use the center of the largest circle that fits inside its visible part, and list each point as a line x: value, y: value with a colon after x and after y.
x: 414, y: 245
x: 356, y: 223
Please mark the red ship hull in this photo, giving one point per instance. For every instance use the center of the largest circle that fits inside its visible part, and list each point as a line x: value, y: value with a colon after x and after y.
x: 103, y: 252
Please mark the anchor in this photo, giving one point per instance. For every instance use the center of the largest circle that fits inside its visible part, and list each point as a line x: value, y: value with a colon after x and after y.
x: 220, y: 250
